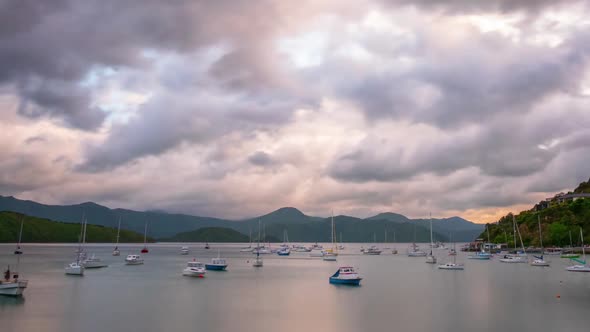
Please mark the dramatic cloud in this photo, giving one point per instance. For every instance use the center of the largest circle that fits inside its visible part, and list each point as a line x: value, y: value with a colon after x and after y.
x: 232, y: 108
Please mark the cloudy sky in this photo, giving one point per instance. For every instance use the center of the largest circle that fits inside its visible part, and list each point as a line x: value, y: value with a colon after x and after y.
x: 233, y: 108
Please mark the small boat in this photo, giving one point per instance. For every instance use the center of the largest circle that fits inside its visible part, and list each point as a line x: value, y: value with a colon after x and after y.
x: 184, y: 250
x: 194, y: 269
x: 346, y: 276
x: 581, y: 267
x: 10, y: 285
x: 415, y: 251
x: 284, y: 252
x: 93, y: 263
x: 452, y: 265
x: 258, y: 260
x: 19, y: 250
x: 116, y: 251
x: 394, y: 251
x: 145, y: 249
x: 207, y: 245
x: 217, y: 264
x: 330, y: 257
x: 514, y: 259
x: 316, y: 252
x: 452, y: 252
x: 133, y: 260
x: 539, y: 261
x: 75, y: 268
x: 481, y: 255
x: 372, y: 250
x: 249, y: 247
x: 430, y: 259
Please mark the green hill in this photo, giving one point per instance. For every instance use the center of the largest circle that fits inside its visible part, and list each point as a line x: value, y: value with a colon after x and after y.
x: 210, y: 234
x: 557, y: 220
x: 45, y: 230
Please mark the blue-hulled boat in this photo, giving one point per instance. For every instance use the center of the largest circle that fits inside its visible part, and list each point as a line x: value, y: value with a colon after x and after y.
x: 346, y: 276
x: 217, y: 264
x: 482, y: 255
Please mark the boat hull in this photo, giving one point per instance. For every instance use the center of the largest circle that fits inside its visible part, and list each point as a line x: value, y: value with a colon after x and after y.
x: 75, y: 271
x: 578, y: 268
x: 215, y: 267
x: 13, y: 288
x: 451, y: 267
x: 352, y: 282
x: 481, y: 258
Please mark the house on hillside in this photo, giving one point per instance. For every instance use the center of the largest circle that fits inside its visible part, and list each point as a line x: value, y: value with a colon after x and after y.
x: 558, y: 199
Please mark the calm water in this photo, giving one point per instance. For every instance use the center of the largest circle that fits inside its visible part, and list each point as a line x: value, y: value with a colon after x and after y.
x: 290, y: 294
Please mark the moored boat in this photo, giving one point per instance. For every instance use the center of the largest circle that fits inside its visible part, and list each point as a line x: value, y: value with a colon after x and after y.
x: 194, y: 269
x: 133, y: 260
x: 581, y: 267
x: 11, y: 285
x: 75, y: 268
x: 217, y: 264
x: 184, y: 250
x: 93, y: 263
x: 346, y: 276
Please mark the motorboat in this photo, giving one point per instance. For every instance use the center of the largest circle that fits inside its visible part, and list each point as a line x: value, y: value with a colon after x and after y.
x: 451, y: 266
x: 75, y: 268
x: 184, y: 250
x: 133, y: 260
x: 346, y: 276
x: 372, y: 250
x: 217, y: 264
x: 194, y: 269
x: 93, y: 263
x: 480, y: 255
x: 514, y: 259
x: 330, y: 257
x: 284, y: 252
x: 11, y: 285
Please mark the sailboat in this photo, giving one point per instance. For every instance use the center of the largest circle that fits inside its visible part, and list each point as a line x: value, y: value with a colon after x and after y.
x: 569, y: 253
x: 581, y: 267
x: 394, y: 250
x: 258, y: 260
x: 116, y: 251
x: 341, y: 246
x: 415, y: 251
x: 539, y: 261
x: 145, y: 249
x: 452, y: 265
x: 77, y: 268
x: 284, y: 249
x: 430, y: 259
x: 517, y: 257
x: 330, y: 254
x: 91, y: 262
x: 249, y: 247
x: 19, y: 250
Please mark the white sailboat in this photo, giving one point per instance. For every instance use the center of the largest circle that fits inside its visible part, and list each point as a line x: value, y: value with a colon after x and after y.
x: 539, y: 261
x: 581, y: 267
x: 516, y: 258
x: 116, y: 251
x: 452, y: 265
x: 249, y: 247
x: 19, y: 250
x: 430, y: 259
x: 76, y: 267
x: 258, y: 260
x: 330, y: 254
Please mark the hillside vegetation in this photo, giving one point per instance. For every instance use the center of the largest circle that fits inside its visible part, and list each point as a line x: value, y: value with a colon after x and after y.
x: 45, y: 230
x: 557, y: 221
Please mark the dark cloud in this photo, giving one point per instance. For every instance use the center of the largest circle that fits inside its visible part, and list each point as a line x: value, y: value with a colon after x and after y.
x: 35, y: 139
x: 261, y: 158
x: 469, y: 6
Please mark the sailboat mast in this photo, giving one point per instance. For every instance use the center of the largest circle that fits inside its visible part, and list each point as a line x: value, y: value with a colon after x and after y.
x: 386, y: 235
x: 118, y: 230
x: 520, y: 237
x: 145, y: 234
x: 20, y: 234
x: 431, y: 231
x: 540, y: 234
x: 514, y: 229
x: 582, y: 239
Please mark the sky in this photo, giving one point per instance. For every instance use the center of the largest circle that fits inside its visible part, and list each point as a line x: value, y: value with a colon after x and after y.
x: 236, y: 108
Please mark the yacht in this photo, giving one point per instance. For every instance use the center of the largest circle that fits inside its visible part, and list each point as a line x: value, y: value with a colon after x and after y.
x: 415, y: 251
x: 372, y: 250
x: 194, y: 269
x: 11, y: 285
x: 93, y: 263
x: 184, y: 250
x: 284, y: 252
x: 452, y: 265
x: 217, y: 264
x: 431, y: 259
x: 75, y: 268
x: 581, y: 267
x: 346, y: 276
x: 133, y: 260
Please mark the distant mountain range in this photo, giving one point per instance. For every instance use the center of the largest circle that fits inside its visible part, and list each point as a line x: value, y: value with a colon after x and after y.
x: 299, y: 227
